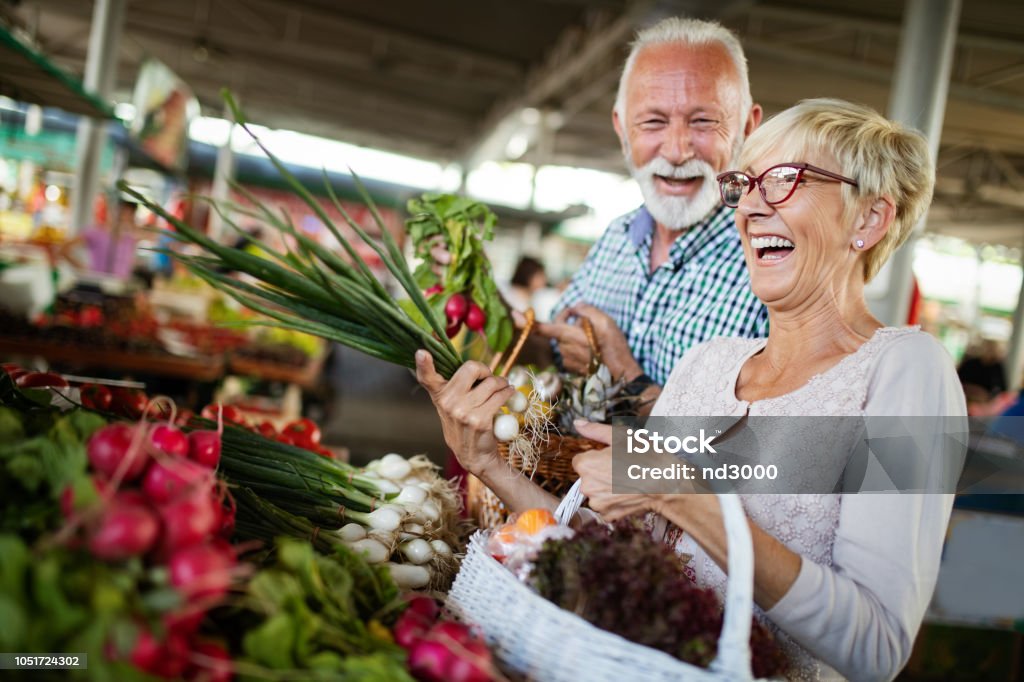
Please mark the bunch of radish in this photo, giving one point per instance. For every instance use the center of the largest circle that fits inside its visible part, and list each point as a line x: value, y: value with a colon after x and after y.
x: 439, y: 650
x: 458, y: 310
x: 152, y: 496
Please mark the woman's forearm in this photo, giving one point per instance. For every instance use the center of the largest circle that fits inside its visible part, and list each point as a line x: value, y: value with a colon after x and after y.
x: 517, y: 492
x: 776, y: 567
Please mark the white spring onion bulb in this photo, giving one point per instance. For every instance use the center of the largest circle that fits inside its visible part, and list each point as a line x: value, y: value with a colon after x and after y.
x: 431, y: 511
x: 418, y: 551
x: 518, y: 376
x: 394, y: 466
x: 412, y: 495
x: 409, y: 577
x: 506, y: 427
x: 441, y: 547
x: 351, y: 532
x: 517, y: 403
x: 385, y: 518
x: 375, y: 552
x: 410, y: 531
x: 387, y: 486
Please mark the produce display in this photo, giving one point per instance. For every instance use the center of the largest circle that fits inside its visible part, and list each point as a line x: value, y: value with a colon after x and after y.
x: 130, y: 541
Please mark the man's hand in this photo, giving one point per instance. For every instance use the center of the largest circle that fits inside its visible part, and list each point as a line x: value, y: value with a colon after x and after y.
x: 615, y: 352
x: 467, y: 405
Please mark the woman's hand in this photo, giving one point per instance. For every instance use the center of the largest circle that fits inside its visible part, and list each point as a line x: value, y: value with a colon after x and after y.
x: 595, y: 470
x: 467, y: 405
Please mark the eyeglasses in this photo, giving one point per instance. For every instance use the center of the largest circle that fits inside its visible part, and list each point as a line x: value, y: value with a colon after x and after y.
x: 776, y: 184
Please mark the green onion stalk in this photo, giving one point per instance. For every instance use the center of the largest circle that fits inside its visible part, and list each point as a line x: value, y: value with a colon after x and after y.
x: 311, y: 289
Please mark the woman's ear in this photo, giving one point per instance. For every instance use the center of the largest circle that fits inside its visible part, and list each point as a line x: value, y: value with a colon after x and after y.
x: 875, y: 220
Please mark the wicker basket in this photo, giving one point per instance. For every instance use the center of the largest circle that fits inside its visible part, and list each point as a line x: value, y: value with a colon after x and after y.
x: 537, y: 639
x: 553, y: 473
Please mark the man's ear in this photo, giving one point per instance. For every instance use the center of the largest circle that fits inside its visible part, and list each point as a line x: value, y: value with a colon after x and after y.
x: 617, y: 124
x: 753, y: 120
x: 875, y: 220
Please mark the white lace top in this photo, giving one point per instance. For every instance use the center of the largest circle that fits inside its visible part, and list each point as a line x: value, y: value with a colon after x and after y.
x: 869, y: 560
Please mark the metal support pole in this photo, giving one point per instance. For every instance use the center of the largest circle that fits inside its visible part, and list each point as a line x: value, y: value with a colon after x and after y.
x: 1015, y: 354
x: 100, y: 77
x: 918, y: 99
x: 223, y: 173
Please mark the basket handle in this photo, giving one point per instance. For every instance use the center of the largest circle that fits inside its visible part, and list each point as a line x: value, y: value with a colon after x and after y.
x: 733, y: 658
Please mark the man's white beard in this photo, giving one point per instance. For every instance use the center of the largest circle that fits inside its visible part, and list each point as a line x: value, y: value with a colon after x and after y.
x: 677, y: 213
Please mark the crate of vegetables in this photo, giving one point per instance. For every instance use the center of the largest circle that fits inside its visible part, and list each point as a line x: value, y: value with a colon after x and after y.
x: 542, y: 620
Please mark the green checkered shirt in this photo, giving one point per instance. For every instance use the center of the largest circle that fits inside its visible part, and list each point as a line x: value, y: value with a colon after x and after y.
x: 700, y: 292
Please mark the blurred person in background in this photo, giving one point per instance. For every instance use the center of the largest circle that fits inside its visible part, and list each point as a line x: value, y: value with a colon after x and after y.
x: 982, y: 373
x: 110, y: 249
x: 528, y: 279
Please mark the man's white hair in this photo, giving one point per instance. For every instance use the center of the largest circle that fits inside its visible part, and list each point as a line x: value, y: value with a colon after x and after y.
x: 692, y: 33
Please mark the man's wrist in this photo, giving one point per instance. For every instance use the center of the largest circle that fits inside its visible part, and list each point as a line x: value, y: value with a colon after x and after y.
x: 638, y: 384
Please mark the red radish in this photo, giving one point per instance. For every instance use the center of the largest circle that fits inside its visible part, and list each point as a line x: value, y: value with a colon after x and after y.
x: 409, y: 629
x: 169, y: 440
x: 451, y: 331
x: 456, y: 308
x: 125, y: 530
x: 204, y: 448
x: 450, y: 633
x: 168, y: 480
x: 110, y: 446
x: 434, y: 290
x: 145, y: 653
x: 475, y: 318
x: 226, y: 518
x: 165, y: 659
x: 183, y: 418
x: 424, y: 607
x: 428, y: 661
x: 41, y: 380
x: 202, y: 571
x: 469, y: 663
x: 190, y: 520
x: 217, y: 669
x: 10, y: 366
x: 184, y: 622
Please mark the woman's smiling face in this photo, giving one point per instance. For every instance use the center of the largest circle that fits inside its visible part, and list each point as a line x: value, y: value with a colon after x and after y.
x: 801, y: 248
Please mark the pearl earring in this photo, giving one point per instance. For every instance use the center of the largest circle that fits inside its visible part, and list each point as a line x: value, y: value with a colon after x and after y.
x: 860, y: 243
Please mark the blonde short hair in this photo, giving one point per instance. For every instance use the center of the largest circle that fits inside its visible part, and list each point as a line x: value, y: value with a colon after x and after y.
x: 885, y: 158
x: 691, y: 33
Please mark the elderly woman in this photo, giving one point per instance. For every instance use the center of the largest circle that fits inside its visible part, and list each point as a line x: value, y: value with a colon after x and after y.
x: 827, y: 191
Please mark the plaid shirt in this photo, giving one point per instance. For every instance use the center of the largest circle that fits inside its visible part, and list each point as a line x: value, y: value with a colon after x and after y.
x: 700, y: 292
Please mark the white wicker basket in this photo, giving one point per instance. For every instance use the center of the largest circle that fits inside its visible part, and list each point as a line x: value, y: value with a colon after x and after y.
x: 536, y: 638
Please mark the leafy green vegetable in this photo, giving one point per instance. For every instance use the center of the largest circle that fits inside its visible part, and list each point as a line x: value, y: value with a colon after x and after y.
x: 623, y: 581
x: 318, y: 614
x: 463, y: 225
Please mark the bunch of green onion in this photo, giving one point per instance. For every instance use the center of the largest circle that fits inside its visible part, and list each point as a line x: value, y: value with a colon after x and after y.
x: 313, y: 290
x: 397, y: 512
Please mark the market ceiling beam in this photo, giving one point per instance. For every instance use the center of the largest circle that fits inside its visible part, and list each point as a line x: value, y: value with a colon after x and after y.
x: 577, y: 51
x: 879, y: 74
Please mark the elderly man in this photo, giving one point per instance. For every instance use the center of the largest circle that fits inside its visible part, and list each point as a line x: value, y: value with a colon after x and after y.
x: 670, y: 274
x: 661, y: 279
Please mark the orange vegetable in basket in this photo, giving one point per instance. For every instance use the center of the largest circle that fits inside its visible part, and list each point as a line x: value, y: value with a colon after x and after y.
x: 532, y: 521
